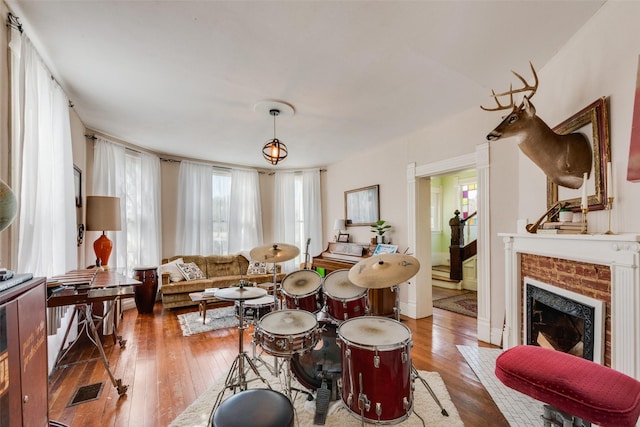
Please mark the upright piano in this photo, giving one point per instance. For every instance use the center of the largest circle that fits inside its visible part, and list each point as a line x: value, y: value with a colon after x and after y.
x: 339, y: 255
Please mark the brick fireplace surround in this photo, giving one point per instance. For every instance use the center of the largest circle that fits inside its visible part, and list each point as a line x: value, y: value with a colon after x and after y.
x: 604, y: 267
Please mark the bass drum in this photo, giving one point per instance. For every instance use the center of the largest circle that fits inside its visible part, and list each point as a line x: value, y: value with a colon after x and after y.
x: 324, y: 361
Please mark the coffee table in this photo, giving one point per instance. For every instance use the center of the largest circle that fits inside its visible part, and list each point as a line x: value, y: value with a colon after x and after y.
x: 202, y: 301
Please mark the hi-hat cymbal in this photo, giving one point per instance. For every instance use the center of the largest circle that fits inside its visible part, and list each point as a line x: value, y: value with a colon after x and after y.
x: 383, y: 271
x: 278, y: 252
x: 236, y: 293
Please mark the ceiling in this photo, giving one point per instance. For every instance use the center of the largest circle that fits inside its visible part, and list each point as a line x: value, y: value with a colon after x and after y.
x: 182, y: 77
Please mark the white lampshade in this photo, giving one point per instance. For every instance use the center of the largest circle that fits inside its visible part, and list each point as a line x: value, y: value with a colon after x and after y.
x: 338, y: 224
x: 103, y: 213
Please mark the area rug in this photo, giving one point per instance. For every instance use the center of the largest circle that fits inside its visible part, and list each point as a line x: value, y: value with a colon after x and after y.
x: 197, y: 414
x: 466, y: 304
x: 217, y: 318
x: 519, y: 409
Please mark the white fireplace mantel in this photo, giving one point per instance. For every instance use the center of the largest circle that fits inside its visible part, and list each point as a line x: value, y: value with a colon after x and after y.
x: 621, y: 252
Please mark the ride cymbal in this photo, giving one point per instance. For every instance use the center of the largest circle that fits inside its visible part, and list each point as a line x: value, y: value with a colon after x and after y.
x: 278, y: 252
x: 383, y: 271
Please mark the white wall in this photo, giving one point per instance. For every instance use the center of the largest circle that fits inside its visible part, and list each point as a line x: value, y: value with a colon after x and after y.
x: 600, y: 60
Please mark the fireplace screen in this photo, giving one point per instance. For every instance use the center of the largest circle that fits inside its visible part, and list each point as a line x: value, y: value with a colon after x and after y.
x: 560, y: 323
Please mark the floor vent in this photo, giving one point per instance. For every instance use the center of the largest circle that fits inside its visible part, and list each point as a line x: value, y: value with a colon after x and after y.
x: 86, y: 393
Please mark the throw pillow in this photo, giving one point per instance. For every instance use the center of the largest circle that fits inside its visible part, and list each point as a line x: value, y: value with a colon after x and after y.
x: 175, y: 275
x: 257, y: 267
x: 191, y: 271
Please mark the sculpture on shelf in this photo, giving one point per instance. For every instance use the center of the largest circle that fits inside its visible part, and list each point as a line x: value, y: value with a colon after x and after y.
x: 563, y: 158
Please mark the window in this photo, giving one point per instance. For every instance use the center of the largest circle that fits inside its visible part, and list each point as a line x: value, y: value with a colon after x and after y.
x: 468, y: 203
x: 221, y: 194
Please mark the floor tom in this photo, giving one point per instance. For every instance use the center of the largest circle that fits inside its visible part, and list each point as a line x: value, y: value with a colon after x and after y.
x: 376, y: 368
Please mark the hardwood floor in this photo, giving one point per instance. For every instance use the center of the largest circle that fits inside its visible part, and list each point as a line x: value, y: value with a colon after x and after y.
x: 166, y: 371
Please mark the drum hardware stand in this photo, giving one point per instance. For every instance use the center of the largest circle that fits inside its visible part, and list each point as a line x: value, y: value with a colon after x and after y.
x: 232, y: 381
x: 415, y: 374
x: 396, y: 309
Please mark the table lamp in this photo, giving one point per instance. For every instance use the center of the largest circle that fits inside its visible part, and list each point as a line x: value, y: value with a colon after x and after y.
x: 103, y: 214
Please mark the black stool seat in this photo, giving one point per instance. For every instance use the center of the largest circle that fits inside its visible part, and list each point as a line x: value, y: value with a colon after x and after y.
x: 259, y: 407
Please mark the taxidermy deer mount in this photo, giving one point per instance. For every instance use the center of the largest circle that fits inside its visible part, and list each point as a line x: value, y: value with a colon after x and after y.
x: 563, y: 158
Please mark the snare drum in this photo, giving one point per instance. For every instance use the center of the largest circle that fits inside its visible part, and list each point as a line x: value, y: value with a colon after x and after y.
x: 287, y: 332
x: 343, y: 299
x: 301, y: 290
x: 255, y: 309
x: 376, y: 366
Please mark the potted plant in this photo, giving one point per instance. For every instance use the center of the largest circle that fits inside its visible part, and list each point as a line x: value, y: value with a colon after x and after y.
x: 379, y: 228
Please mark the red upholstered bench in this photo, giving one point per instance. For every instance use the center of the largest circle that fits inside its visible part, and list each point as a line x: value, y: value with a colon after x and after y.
x: 573, y: 385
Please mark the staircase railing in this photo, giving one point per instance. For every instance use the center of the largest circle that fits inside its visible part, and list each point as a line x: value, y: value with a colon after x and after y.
x: 458, y: 251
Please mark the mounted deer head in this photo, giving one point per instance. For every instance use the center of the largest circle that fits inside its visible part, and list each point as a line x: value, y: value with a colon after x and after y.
x: 563, y: 158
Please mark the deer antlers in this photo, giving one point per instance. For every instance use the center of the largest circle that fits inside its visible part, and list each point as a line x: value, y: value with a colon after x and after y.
x: 511, y: 91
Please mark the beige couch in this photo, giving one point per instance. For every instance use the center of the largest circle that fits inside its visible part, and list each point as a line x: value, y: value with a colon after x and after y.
x: 221, y: 271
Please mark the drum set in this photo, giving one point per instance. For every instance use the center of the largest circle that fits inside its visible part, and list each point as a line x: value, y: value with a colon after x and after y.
x: 325, y: 333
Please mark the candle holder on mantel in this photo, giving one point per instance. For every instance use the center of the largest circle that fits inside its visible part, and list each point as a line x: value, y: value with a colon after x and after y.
x: 585, y: 210
x: 609, y: 207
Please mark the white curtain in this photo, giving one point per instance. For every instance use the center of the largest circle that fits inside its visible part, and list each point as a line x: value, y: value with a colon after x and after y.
x: 245, y: 212
x: 144, y: 227
x: 194, y: 231
x: 134, y: 178
x: 312, y: 216
x: 109, y: 178
x: 45, y: 187
x: 298, y: 213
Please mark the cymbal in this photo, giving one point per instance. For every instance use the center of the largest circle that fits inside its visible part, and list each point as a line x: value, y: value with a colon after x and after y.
x: 236, y: 293
x: 383, y: 271
x: 278, y: 252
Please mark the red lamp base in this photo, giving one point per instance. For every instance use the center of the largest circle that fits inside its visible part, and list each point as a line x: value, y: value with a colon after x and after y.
x: 102, y: 247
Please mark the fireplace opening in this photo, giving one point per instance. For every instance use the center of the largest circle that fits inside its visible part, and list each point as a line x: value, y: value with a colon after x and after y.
x: 563, y: 321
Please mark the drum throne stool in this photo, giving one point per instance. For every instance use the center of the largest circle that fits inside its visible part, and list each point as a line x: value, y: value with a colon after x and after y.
x: 577, y: 391
x: 257, y: 407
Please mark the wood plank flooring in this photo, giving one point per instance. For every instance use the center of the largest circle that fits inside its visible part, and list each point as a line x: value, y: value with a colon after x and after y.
x: 166, y: 371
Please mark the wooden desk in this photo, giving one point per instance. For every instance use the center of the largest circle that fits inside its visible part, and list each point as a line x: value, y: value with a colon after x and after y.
x: 83, y: 288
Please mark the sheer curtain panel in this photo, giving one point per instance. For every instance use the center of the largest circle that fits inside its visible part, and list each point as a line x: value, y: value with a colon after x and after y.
x: 41, y: 136
x: 298, y: 212
x: 194, y: 231
x: 245, y: 212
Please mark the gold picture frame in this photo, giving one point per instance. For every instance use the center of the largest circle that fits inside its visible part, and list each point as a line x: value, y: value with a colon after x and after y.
x: 593, y: 122
x: 362, y: 206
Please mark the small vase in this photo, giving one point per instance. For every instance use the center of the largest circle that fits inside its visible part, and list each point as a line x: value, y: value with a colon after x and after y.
x: 379, y: 239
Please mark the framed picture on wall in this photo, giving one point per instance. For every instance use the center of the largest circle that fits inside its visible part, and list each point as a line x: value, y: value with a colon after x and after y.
x: 77, y: 185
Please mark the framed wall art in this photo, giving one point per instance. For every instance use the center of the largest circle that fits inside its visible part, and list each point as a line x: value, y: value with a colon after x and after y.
x: 362, y: 206
x: 593, y: 122
x: 77, y: 185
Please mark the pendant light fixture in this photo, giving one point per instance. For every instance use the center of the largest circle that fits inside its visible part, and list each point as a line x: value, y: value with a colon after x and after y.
x: 274, y: 151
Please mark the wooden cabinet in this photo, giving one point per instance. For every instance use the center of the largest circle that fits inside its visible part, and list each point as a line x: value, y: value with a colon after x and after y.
x: 23, y: 355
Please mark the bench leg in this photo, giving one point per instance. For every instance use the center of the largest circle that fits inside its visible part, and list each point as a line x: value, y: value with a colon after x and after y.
x: 553, y: 417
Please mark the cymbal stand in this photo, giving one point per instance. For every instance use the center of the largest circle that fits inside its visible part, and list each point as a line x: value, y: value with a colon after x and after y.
x: 236, y: 378
x: 415, y: 374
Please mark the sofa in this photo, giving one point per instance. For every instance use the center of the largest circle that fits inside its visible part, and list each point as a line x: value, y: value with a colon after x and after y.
x: 180, y: 278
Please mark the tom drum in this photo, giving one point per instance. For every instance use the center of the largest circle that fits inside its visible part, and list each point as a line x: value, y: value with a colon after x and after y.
x: 343, y: 300
x: 287, y: 332
x: 301, y: 290
x: 376, y: 368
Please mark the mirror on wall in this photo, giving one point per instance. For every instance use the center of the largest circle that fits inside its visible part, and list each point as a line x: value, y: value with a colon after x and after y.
x: 362, y: 206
